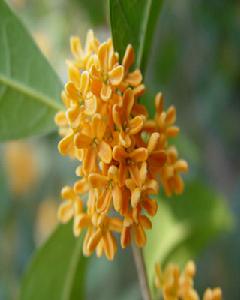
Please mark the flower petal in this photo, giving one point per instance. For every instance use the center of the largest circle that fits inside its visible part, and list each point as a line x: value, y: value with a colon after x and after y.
x: 82, y: 141
x: 119, y: 153
x: 140, y: 236
x: 94, y: 240
x: 117, y: 197
x: 106, y: 92
x: 139, y: 154
x: 103, y: 57
x: 125, y: 237
x: 134, y: 78
x: 128, y: 58
x: 136, y: 124
x: 116, y: 75
x: 84, y: 83
x: 104, y: 201
x: 65, y: 211
x: 105, y: 152
x: 110, y: 245
x: 97, y: 180
x: 66, y: 145
x: 135, y: 197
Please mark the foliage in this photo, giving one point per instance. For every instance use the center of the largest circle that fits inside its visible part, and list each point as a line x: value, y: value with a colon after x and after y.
x: 57, y: 269
x: 29, y: 88
x: 29, y: 97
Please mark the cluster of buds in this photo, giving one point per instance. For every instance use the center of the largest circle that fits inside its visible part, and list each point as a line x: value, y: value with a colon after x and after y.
x: 175, y: 285
x: 123, y: 156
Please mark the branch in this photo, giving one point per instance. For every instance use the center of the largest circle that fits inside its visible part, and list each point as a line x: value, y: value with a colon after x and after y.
x: 141, y: 271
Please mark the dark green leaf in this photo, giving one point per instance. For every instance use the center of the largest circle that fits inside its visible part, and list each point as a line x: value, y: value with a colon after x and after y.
x: 184, y: 225
x: 57, y: 271
x: 29, y: 88
x: 133, y: 22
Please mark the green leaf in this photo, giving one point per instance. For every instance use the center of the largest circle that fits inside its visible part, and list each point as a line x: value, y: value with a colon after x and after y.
x: 29, y: 88
x: 133, y: 22
x: 57, y: 270
x: 184, y: 225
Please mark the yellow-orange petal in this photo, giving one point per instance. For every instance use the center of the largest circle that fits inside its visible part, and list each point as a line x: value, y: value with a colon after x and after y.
x: 105, y: 152
x: 159, y: 103
x: 84, y: 83
x: 82, y: 141
x: 143, y: 173
x: 139, y: 235
x: 94, y: 240
x: 181, y: 166
x: 116, y: 112
x: 71, y: 91
x: 125, y: 139
x: 139, y: 90
x: 65, y: 211
x: 119, y: 153
x: 104, y: 201
x: 115, y: 224
x: 125, y: 237
x: 110, y: 245
x: 128, y: 58
x: 103, y: 53
x: 97, y: 180
x: 135, y: 175
x: 98, y: 126
x: 89, y: 161
x: 158, y: 157
x: 172, y: 131
x: 150, y: 206
x: 179, y: 184
x: 90, y: 105
x: 67, y: 192
x: 66, y: 144
x: 60, y: 119
x: 136, y: 124
x: 151, y: 186
x: 78, y: 206
x: 134, y: 78
x: 145, y: 222
x: 139, y: 154
x: 130, y: 184
x: 81, y: 186
x: 135, y: 197
x: 128, y: 102
x: 117, y: 197
x: 116, y: 75
x: 76, y: 47
x: 152, y: 143
x: 106, y: 92
x: 170, y: 115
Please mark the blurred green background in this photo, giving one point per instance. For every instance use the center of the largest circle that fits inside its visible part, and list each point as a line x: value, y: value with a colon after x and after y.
x: 195, y: 63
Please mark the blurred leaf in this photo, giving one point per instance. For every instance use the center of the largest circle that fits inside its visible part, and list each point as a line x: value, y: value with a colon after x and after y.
x: 133, y: 22
x: 57, y: 271
x: 29, y: 88
x: 184, y: 225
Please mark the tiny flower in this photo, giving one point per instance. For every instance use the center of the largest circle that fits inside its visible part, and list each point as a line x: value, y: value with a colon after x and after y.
x: 122, y: 118
x: 177, y: 285
x: 107, y: 74
x: 91, y: 140
x: 71, y: 206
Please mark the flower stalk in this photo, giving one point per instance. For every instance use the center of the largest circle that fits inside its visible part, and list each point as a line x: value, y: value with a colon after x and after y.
x: 141, y: 272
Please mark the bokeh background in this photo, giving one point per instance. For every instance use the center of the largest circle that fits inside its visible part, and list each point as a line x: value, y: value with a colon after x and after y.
x: 195, y: 62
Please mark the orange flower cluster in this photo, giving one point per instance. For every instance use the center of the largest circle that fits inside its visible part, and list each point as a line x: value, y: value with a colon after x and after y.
x: 121, y: 152
x: 175, y: 285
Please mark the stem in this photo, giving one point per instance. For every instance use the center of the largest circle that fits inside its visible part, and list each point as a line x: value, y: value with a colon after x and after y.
x: 141, y: 271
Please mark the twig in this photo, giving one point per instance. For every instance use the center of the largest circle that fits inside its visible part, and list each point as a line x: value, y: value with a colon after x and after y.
x: 141, y: 271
